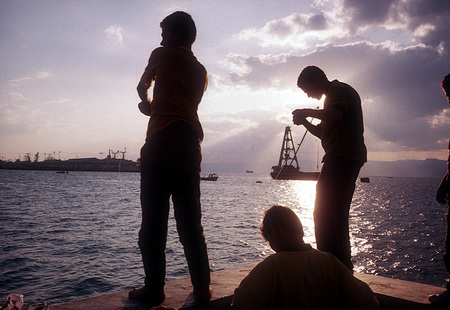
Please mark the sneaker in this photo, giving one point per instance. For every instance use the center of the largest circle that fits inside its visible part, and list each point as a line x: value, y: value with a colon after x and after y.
x: 203, y: 295
x: 442, y: 298
x: 143, y: 294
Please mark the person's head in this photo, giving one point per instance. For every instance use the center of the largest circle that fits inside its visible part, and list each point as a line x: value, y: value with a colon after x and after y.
x: 446, y: 86
x: 281, y: 227
x: 313, y: 81
x: 178, y: 29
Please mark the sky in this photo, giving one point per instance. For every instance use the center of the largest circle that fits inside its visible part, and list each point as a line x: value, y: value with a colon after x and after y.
x: 69, y: 71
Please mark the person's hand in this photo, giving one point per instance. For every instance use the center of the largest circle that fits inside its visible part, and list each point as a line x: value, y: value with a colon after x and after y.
x: 145, y: 108
x: 299, y: 116
x: 442, y: 193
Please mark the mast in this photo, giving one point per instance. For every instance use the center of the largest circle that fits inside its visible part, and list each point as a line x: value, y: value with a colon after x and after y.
x: 288, y: 168
x: 123, y: 153
x: 288, y: 151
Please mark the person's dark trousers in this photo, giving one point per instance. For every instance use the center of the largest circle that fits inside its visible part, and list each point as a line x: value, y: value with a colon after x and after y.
x: 334, y: 193
x: 447, y: 247
x: 170, y: 166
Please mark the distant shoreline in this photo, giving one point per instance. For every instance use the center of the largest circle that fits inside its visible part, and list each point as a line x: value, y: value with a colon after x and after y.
x: 78, y: 164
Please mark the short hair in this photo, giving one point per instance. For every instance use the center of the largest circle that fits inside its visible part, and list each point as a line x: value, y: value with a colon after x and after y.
x: 309, y: 75
x: 283, y: 217
x: 446, y: 84
x: 181, y: 21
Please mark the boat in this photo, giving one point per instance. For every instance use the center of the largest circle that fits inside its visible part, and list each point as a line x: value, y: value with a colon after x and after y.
x: 365, y: 180
x: 288, y: 168
x: 112, y: 163
x: 210, y: 177
x: 248, y: 171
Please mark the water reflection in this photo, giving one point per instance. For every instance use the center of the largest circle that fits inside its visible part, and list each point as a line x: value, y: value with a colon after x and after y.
x: 300, y: 196
x: 397, y: 229
x: 304, y: 193
x: 364, y: 230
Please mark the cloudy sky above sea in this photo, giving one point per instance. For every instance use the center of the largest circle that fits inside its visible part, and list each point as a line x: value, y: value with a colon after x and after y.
x: 69, y: 71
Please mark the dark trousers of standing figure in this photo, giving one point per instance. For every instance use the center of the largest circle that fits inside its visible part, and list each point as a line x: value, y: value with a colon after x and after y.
x: 334, y: 192
x: 447, y: 247
x: 170, y: 167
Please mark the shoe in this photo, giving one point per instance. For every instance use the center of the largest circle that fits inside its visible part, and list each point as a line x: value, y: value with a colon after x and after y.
x: 203, y: 295
x: 143, y: 294
x: 442, y: 298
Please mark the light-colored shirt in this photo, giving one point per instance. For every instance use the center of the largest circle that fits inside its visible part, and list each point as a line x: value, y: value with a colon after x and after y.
x: 180, y: 81
x: 308, y: 279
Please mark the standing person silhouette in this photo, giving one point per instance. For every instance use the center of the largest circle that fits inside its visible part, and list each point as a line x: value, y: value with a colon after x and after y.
x: 341, y: 132
x: 442, y: 196
x: 171, y: 158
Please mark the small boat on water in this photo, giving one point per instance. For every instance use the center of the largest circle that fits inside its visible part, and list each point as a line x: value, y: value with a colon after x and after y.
x: 365, y: 180
x: 210, y: 177
x: 288, y: 168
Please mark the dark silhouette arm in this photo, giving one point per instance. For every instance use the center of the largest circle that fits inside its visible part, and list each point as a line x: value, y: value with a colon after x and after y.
x: 332, y: 116
x: 144, y: 106
x: 442, y: 194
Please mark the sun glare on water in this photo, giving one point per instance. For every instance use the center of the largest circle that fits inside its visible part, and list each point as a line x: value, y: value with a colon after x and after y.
x: 303, y: 195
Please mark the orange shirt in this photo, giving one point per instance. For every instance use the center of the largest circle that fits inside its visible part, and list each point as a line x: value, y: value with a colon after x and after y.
x: 308, y: 279
x: 180, y: 81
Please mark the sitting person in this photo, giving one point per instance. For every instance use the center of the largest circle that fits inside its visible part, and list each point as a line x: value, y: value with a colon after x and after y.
x: 298, y: 276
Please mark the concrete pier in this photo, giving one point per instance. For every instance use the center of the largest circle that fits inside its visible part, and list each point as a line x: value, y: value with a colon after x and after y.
x: 391, y: 293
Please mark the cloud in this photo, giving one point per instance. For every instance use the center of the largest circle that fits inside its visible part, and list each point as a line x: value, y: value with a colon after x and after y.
x: 394, y: 52
x: 43, y: 74
x: 440, y: 120
x: 300, y: 31
x: 429, y: 22
x: 397, y: 73
x: 38, y: 75
x: 19, y: 81
x: 19, y: 118
x: 363, y: 12
x: 14, y: 97
x: 426, y: 20
x: 255, y: 72
x: 114, y: 35
x: 8, y: 116
x: 257, y: 143
x: 400, y: 88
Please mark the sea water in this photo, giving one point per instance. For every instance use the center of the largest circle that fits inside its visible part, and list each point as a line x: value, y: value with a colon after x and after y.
x: 70, y: 236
